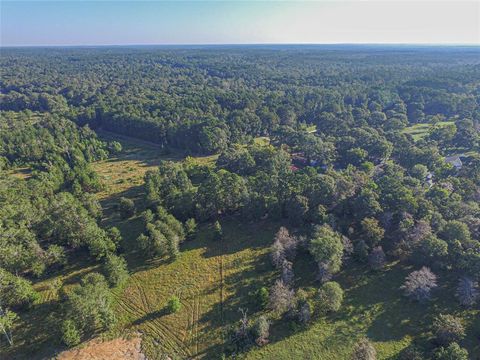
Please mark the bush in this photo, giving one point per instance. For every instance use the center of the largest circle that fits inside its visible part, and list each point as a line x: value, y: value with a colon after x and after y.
x: 70, y: 334
x: 452, y: 352
x: 115, y: 270
x: 284, y: 247
x: 448, y: 329
x: 114, y: 147
x: 330, y: 297
x: 364, y: 350
x: 304, y: 313
x: 126, y: 208
x: 261, y: 297
x: 419, y: 284
x: 173, y: 304
x: 281, y: 297
x: 261, y: 329
x: 90, y: 304
x: 411, y: 353
x: 217, y: 231
x: 115, y: 235
x: 190, y: 228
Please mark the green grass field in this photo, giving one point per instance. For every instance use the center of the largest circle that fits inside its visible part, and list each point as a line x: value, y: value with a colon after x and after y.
x: 214, y: 279
x: 419, y: 131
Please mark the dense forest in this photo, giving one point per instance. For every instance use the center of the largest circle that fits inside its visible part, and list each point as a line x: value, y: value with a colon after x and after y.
x: 364, y: 156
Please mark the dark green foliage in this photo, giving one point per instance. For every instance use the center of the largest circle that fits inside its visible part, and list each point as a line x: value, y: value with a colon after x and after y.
x: 448, y: 329
x: 190, y: 228
x: 451, y: 352
x: 16, y: 291
x: 115, y: 270
x: 115, y: 235
x: 326, y: 246
x: 162, y: 236
x: 8, y: 319
x: 261, y: 297
x: 115, y: 147
x: 126, y: 208
x: 297, y: 209
x: 372, y: 232
x: 431, y: 251
x: 173, y: 304
x: 355, y: 140
x: 330, y: 297
x: 70, y: 334
x: 468, y: 292
x: 89, y: 306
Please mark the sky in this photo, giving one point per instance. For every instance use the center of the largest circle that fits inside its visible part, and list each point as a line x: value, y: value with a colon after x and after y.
x: 124, y: 22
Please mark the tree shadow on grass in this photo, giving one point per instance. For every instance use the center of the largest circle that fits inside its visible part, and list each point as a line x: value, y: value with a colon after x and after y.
x: 151, y: 316
x: 39, y: 335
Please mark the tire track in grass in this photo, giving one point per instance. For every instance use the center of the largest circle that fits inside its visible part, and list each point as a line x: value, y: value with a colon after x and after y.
x: 160, y: 337
x: 172, y: 337
x: 197, y: 337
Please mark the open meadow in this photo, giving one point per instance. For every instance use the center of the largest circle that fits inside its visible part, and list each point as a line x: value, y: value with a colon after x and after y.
x: 214, y: 279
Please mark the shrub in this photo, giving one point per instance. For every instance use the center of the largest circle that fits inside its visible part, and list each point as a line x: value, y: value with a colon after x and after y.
x: 411, y: 353
x: 431, y: 250
x: 217, y: 231
x: 126, y: 208
x: 448, y: 329
x: 364, y: 350
x: 326, y: 246
x: 330, y: 297
x: 284, y: 247
x: 89, y: 304
x: 70, y: 334
x: 114, y: 147
x: 281, y: 297
x: 419, y: 284
x: 173, y: 304
x: 304, y: 313
x: 190, y: 228
x: 452, y: 352
x: 115, y: 235
x: 261, y: 297
x: 115, y: 270
x: 261, y: 330
x: 372, y: 232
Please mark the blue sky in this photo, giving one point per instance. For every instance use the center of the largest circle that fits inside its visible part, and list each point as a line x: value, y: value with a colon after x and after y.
x: 71, y: 22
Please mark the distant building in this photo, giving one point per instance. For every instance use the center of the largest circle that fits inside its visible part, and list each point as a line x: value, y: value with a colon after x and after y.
x: 455, y: 161
x: 429, y: 179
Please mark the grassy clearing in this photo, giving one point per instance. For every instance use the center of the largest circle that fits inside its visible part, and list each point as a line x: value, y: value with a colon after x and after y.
x: 419, y: 131
x: 213, y: 279
x: 22, y: 173
x: 373, y: 307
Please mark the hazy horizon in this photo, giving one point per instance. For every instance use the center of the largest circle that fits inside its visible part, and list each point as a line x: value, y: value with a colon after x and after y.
x: 205, y: 23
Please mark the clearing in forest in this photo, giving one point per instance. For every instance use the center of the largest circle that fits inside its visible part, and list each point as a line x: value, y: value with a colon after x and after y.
x: 213, y: 279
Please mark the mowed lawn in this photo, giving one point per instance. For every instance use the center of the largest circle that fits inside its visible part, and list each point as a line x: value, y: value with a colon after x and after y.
x: 214, y: 279
x: 419, y: 131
